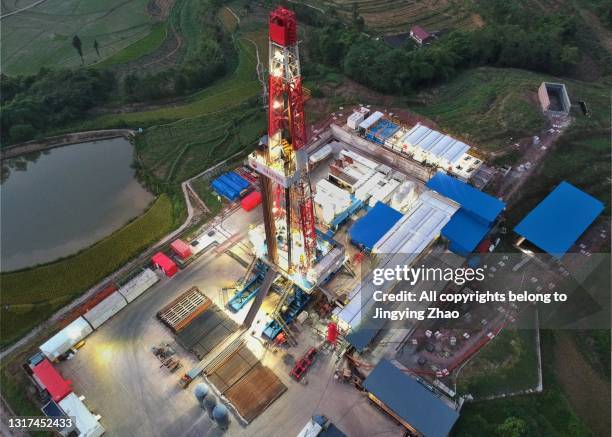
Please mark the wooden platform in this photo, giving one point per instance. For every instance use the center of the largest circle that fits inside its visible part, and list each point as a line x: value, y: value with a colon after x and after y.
x: 182, y: 310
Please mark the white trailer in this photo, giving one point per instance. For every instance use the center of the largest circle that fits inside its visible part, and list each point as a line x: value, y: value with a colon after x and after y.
x: 61, y: 342
x: 87, y: 424
x: 138, y: 285
x: 105, y: 310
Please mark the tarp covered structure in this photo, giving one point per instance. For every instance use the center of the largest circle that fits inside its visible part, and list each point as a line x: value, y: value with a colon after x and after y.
x: 473, y: 221
x: 162, y: 261
x: 410, y: 401
x: 480, y: 205
x: 49, y: 378
x: 230, y: 185
x: 560, y: 219
x: 371, y: 227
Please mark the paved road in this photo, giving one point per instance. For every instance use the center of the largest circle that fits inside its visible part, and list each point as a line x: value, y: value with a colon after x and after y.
x: 122, y: 381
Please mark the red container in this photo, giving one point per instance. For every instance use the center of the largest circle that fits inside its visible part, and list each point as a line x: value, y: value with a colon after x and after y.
x: 251, y: 201
x: 181, y: 248
x: 165, y: 263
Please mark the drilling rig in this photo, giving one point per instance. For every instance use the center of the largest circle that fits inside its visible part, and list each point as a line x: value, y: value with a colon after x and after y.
x: 289, y: 222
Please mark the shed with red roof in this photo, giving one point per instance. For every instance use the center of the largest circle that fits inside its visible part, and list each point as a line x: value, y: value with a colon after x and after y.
x: 419, y: 34
x: 181, y: 248
x: 49, y: 378
x: 162, y: 261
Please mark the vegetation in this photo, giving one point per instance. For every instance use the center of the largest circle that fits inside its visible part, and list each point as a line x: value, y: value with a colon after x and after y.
x: 486, y: 106
x: 173, y: 152
x: 546, y: 414
x: 541, y: 42
x: 241, y: 85
x: 42, y: 36
x: 138, y: 49
x: 34, y: 104
x: 208, y: 55
x: 506, y: 365
x: 30, y: 296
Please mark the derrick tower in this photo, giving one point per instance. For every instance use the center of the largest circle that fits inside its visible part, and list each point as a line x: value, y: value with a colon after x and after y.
x: 289, y: 222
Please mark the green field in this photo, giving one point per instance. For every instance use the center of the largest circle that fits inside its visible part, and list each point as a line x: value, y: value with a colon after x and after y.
x: 546, y: 414
x: 30, y: 296
x: 177, y: 151
x: 486, y: 106
x: 507, y: 364
x: 225, y: 94
x: 140, y: 48
x: 42, y: 36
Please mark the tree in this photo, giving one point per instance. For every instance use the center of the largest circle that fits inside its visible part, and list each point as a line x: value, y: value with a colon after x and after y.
x: 97, y: 47
x: 76, y: 43
x: 512, y: 427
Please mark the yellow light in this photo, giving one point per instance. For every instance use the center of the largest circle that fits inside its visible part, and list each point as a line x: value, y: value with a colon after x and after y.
x: 104, y: 354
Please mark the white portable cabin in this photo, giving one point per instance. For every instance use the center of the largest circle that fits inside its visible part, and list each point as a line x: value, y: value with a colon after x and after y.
x: 321, y: 154
x: 370, y: 121
x: 138, y: 285
x: 106, y: 309
x: 61, y: 342
x: 355, y: 119
x: 87, y: 424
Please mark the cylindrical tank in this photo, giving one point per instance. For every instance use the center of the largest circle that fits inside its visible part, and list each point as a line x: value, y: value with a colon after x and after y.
x: 200, y: 391
x: 209, y: 405
x: 221, y: 416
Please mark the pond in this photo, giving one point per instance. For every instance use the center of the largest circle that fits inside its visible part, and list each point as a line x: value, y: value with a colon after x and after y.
x: 55, y: 203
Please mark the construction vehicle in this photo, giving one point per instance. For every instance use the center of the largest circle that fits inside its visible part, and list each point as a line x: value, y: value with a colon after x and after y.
x: 303, y: 364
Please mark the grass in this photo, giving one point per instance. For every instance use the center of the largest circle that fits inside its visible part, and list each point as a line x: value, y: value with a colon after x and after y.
x: 30, y: 296
x: 507, y: 364
x: 177, y: 151
x: 393, y: 16
x: 226, y: 93
x: 42, y: 36
x: 486, y: 106
x: 546, y: 414
x: 140, y: 48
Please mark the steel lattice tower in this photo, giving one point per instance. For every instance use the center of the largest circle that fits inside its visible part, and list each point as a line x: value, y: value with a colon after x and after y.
x: 282, y: 163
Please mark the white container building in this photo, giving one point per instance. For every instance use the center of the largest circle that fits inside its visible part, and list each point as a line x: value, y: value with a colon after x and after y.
x: 87, y: 424
x: 61, y: 342
x: 106, y: 309
x: 138, y: 285
x: 370, y: 121
x: 355, y: 119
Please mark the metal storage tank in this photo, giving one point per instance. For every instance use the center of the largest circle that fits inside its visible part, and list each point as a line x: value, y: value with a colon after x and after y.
x: 221, y: 415
x: 200, y: 391
x: 209, y: 405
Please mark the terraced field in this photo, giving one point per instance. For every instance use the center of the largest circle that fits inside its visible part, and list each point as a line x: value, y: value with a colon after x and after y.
x: 176, y: 151
x: 227, y: 93
x: 393, y: 16
x: 42, y: 35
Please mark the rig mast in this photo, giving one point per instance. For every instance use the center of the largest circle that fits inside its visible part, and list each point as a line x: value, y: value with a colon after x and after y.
x: 282, y: 163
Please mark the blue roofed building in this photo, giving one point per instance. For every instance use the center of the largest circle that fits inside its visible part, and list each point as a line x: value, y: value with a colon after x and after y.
x: 419, y: 409
x: 370, y: 228
x: 477, y: 215
x: 560, y: 219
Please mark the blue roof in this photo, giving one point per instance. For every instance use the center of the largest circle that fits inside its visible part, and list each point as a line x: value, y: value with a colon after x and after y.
x: 560, y: 219
x: 362, y: 337
x: 410, y: 400
x: 476, y: 202
x: 371, y: 227
x: 464, y: 232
